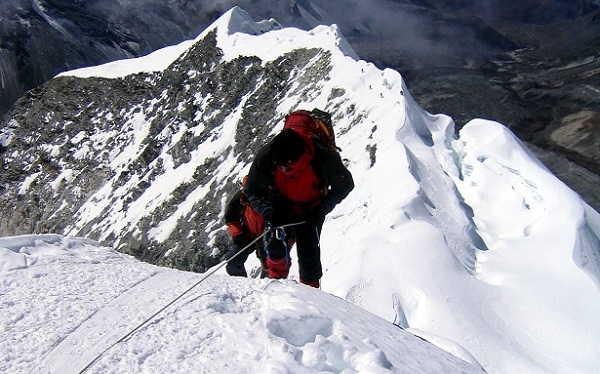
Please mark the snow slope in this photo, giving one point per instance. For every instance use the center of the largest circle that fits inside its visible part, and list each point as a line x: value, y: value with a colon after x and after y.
x: 467, y: 241
x: 69, y: 303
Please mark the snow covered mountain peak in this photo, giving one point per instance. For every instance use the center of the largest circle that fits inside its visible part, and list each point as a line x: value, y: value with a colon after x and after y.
x: 238, y: 20
x: 465, y: 239
x: 237, y: 34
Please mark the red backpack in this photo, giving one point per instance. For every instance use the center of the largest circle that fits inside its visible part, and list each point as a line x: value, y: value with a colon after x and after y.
x: 315, y: 124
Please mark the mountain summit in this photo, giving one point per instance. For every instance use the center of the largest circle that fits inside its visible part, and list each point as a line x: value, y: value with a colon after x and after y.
x: 466, y: 238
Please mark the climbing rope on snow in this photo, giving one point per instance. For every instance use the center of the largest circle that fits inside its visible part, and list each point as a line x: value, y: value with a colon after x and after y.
x: 206, y: 275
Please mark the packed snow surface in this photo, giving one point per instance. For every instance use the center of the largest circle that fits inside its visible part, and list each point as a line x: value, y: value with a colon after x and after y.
x: 69, y: 303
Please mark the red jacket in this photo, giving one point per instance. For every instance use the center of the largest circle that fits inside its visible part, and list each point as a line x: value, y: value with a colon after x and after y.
x: 317, y: 182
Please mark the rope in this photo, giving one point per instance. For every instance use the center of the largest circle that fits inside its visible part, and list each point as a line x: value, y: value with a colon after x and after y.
x: 206, y: 275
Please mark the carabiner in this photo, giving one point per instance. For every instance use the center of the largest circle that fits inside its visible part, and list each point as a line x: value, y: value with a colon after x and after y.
x: 280, y: 233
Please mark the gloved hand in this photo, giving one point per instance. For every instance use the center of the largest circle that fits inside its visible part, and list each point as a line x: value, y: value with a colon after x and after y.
x: 267, y: 214
x: 267, y: 226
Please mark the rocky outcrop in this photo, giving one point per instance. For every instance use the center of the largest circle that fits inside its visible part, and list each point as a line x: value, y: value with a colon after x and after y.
x: 41, y: 38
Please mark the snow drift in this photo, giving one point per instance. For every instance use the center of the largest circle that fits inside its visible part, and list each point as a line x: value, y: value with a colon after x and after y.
x: 95, y: 297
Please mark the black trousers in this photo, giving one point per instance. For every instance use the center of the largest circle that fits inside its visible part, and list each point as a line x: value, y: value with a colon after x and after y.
x: 308, y: 237
x: 235, y: 266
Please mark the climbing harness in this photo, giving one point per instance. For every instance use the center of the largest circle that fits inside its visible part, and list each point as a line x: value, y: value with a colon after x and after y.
x: 277, y: 233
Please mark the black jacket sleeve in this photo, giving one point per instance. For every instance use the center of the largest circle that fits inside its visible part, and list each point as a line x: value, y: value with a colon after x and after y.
x: 336, y: 177
x: 260, y: 177
x: 234, y: 207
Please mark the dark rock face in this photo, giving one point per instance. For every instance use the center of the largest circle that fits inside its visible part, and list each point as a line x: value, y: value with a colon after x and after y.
x: 41, y: 38
x: 75, y: 135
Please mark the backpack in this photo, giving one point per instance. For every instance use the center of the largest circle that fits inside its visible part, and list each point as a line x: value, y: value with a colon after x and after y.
x: 315, y: 124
